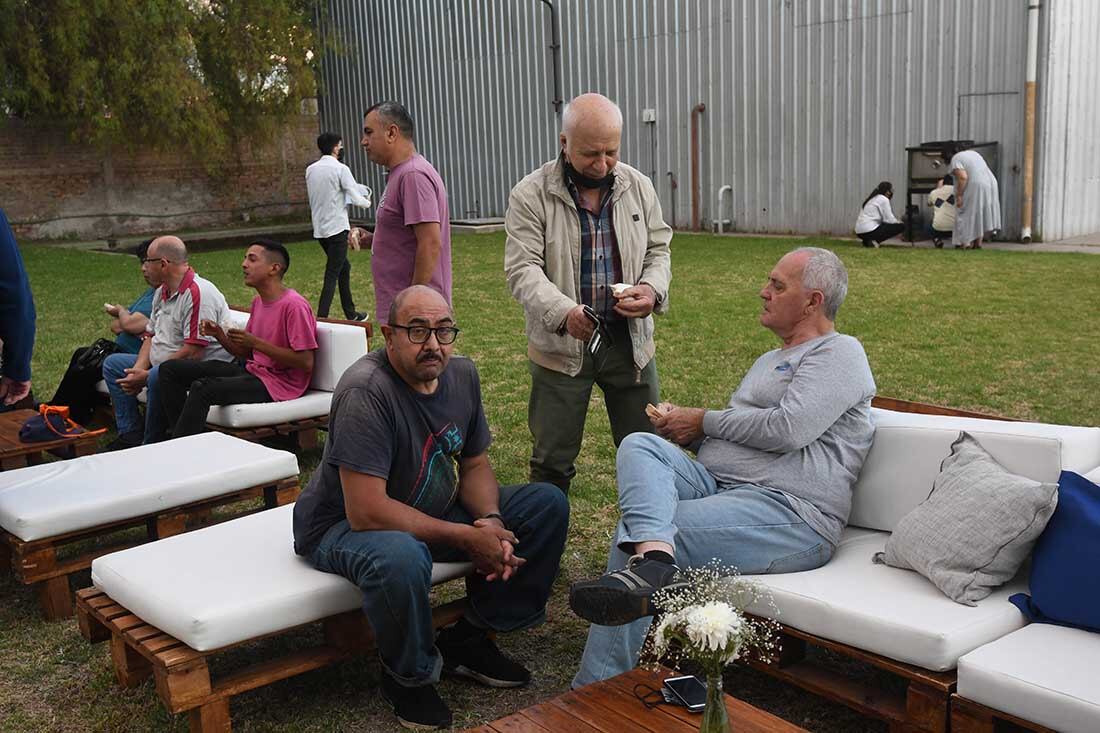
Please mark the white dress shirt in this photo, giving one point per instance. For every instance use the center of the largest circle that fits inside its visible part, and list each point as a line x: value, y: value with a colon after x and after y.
x: 331, y: 188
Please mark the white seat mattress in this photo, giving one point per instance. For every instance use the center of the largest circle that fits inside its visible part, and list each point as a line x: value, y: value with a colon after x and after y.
x: 65, y: 496
x: 1042, y: 673
x: 230, y: 582
x: 892, y: 612
x: 313, y: 403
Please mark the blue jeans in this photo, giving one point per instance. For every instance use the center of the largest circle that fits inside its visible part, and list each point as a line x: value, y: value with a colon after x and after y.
x: 667, y: 496
x: 127, y: 411
x: 394, y: 570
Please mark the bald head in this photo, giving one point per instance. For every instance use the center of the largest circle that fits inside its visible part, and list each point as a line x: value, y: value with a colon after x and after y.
x: 170, y: 248
x: 591, y: 111
x: 415, y: 297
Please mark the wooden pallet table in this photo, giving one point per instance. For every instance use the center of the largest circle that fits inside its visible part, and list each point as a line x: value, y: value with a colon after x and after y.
x: 14, y: 453
x: 49, y: 562
x: 182, y: 675
x: 610, y: 706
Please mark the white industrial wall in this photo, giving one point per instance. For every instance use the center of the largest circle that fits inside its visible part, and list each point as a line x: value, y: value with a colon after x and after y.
x: 809, y: 103
x: 1068, y: 201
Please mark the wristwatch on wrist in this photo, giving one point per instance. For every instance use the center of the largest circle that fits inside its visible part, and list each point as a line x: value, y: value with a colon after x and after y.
x: 495, y: 515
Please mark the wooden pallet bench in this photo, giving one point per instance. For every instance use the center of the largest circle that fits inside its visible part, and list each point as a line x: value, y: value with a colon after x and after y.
x: 182, y: 675
x: 922, y: 700
x: 48, y: 563
x: 968, y: 716
x: 302, y: 434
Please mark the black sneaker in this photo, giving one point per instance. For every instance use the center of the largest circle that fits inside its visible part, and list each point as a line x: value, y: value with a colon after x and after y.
x: 625, y: 595
x: 477, y: 658
x: 124, y: 441
x: 417, y: 708
x: 359, y: 316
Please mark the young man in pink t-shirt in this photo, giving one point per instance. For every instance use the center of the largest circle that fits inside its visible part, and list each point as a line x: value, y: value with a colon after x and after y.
x: 411, y: 243
x: 276, y: 349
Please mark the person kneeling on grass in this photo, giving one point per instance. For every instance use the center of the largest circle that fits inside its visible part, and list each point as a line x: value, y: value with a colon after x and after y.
x: 277, y: 348
x: 405, y: 481
x: 771, y: 485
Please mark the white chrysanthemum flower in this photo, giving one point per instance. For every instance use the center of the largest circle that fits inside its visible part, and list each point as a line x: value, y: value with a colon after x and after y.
x: 712, y: 626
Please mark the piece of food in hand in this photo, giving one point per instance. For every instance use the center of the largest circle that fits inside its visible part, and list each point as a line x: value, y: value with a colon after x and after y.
x: 619, y: 288
x: 653, y: 412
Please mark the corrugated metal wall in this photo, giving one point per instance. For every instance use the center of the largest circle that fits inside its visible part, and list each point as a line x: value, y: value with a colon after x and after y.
x: 809, y: 103
x: 1069, y: 99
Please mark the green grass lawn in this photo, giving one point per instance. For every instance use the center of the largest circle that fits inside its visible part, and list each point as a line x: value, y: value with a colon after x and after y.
x: 996, y: 331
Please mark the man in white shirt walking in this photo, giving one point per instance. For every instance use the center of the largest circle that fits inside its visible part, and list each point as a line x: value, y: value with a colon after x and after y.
x: 331, y: 188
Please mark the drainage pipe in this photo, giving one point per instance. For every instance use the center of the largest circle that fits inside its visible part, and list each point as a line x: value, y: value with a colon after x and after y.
x: 555, y: 50
x: 720, y: 222
x: 695, y: 112
x: 1029, y: 117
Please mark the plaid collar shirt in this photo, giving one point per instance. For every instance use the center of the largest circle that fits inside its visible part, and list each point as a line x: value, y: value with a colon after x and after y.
x: 601, y: 266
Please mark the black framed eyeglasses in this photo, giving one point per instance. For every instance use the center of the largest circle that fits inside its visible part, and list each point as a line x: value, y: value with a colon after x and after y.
x: 419, y: 334
x: 154, y: 259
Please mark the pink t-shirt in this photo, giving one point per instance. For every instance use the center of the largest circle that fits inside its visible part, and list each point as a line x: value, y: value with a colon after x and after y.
x: 414, y: 194
x: 287, y: 322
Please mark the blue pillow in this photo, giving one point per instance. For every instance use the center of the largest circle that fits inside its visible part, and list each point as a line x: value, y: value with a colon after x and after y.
x: 1065, y: 565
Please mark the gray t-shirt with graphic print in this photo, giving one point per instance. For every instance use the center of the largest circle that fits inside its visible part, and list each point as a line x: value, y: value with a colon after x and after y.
x: 381, y: 427
x: 800, y: 423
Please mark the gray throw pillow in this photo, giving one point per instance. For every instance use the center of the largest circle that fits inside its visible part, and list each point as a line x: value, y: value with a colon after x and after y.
x: 975, y: 529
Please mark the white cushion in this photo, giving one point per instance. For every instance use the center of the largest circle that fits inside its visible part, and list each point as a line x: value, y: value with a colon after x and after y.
x: 101, y: 387
x: 65, y: 496
x: 904, y: 461
x: 338, y: 347
x: 1080, y: 446
x: 231, y: 582
x: 312, y: 404
x: 1042, y: 673
x: 892, y: 612
x: 1093, y: 475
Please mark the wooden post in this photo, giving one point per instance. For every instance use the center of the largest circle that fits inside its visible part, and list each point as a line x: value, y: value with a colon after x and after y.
x: 55, y: 598
x: 307, y: 439
x: 927, y: 709
x: 213, y: 717
x: 131, y: 669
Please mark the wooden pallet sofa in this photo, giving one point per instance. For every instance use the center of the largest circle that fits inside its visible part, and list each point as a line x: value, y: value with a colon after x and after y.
x: 56, y: 518
x: 339, y: 344
x: 168, y: 606
x: 1040, y: 678
x: 896, y: 620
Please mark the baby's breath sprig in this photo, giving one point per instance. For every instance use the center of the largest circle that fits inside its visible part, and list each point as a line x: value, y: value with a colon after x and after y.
x: 704, y: 621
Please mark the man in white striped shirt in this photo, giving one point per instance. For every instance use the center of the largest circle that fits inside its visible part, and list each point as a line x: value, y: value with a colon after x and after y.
x: 331, y: 188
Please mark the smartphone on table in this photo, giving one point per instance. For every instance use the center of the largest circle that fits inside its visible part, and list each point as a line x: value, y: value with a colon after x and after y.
x: 689, y: 691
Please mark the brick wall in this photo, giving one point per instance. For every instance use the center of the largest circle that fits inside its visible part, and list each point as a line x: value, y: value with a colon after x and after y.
x: 53, y: 188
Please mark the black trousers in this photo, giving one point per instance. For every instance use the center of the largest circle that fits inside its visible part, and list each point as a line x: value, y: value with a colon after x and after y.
x: 881, y: 233
x: 337, y: 272
x: 187, y: 388
x: 77, y: 389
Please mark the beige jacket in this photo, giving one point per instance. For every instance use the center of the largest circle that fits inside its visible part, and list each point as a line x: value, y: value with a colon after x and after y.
x: 542, y: 259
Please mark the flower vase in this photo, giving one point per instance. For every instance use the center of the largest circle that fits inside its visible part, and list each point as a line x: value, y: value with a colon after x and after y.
x: 715, y: 717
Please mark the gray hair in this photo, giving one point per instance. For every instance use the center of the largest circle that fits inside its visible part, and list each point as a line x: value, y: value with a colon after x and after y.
x: 825, y: 272
x: 394, y: 113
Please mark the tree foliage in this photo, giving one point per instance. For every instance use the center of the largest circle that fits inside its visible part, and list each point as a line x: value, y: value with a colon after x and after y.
x: 196, y: 75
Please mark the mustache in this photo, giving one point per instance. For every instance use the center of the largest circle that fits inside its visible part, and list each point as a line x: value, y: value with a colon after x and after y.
x: 429, y: 355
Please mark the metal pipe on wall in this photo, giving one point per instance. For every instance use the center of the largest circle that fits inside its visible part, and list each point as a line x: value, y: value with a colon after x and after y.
x: 1029, y: 118
x: 555, y: 49
x: 695, y: 112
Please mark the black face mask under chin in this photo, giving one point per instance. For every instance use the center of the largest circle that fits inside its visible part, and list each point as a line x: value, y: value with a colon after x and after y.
x: 582, y: 181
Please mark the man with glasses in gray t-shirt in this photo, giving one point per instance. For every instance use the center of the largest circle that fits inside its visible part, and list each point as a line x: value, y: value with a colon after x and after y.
x: 405, y: 480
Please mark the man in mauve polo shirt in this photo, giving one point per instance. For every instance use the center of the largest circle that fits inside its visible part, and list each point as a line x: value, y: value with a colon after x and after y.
x: 411, y: 243
x: 179, y: 304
